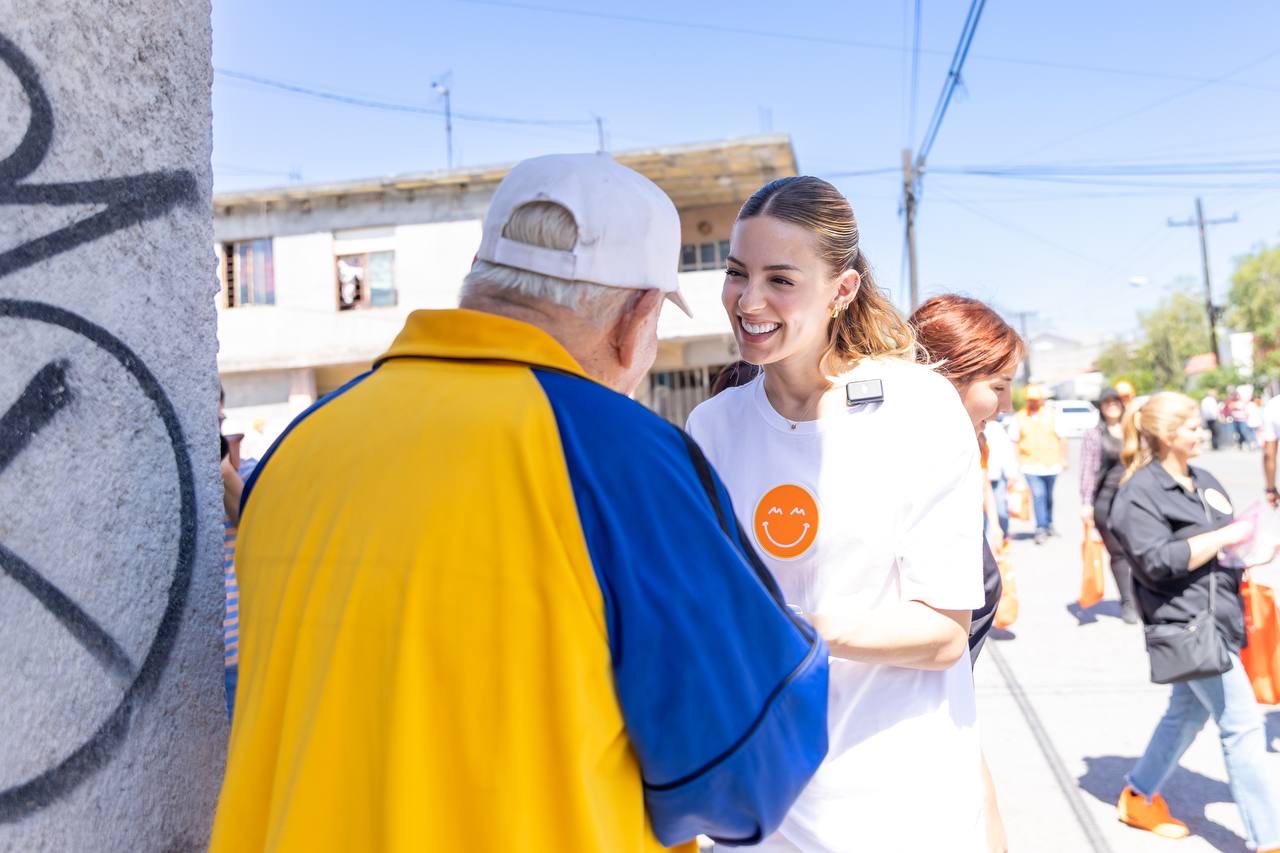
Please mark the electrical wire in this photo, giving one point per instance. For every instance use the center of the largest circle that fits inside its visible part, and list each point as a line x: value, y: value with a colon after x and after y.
x: 879, y: 46
x: 392, y: 106
x: 915, y: 76
x: 952, y: 81
x: 1234, y: 167
x: 1018, y: 229
x: 1159, y: 102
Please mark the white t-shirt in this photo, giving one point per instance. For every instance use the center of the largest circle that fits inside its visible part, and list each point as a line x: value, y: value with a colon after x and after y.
x: 870, y: 506
x: 1209, y: 409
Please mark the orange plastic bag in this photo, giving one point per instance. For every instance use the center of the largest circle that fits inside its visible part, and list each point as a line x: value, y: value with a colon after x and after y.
x: 1019, y: 499
x: 1092, y: 584
x: 1261, y: 657
x: 1007, y: 609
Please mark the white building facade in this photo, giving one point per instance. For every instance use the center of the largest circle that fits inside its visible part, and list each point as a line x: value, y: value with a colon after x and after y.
x: 316, y: 280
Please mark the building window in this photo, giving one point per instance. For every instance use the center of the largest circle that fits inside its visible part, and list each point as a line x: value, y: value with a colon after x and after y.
x: 674, y: 393
x: 704, y: 256
x: 248, y: 274
x: 366, y: 280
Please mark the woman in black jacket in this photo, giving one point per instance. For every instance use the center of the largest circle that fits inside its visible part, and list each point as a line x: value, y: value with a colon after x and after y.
x: 1172, y: 520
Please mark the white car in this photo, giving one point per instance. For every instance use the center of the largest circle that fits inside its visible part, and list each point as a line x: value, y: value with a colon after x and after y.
x: 1075, y: 417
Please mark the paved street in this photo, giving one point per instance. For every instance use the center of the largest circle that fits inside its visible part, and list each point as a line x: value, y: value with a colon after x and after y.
x: 1084, y: 677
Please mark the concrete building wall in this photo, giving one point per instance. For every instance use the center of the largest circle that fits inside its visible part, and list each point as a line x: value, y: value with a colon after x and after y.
x: 711, y: 222
x: 304, y: 272
x: 432, y: 260
x: 114, y: 721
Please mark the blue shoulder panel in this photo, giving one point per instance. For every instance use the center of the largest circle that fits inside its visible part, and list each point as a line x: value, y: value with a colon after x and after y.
x: 266, y: 457
x: 723, y: 690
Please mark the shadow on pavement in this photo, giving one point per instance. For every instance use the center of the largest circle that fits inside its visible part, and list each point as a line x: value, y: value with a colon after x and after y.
x: 1186, y: 792
x: 1090, y: 615
x: 1273, y: 731
x: 1002, y: 635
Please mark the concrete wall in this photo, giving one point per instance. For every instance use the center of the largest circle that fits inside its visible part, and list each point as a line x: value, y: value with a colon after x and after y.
x: 110, y: 536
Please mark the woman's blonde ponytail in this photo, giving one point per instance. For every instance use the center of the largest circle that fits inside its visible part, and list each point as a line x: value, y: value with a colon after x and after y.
x: 1154, y: 422
x: 1134, y: 453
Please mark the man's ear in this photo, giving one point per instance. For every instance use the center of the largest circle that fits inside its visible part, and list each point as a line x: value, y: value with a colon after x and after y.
x: 625, y: 335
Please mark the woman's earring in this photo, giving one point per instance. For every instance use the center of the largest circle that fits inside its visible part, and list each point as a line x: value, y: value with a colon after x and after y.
x: 835, y: 312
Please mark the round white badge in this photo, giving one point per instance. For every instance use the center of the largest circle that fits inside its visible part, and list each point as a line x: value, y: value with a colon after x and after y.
x: 1218, y: 501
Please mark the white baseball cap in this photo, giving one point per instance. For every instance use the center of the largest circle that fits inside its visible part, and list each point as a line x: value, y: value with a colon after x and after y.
x: 628, y: 230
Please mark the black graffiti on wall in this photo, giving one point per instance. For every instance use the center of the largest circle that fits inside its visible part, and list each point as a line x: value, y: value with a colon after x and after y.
x: 129, y: 200
x: 50, y: 395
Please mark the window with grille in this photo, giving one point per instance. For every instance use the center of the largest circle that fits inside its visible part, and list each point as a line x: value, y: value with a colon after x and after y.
x: 248, y: 273
x: 673, y: 394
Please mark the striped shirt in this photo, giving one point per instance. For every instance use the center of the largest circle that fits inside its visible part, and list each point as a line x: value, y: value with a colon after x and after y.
x: 231, y: 613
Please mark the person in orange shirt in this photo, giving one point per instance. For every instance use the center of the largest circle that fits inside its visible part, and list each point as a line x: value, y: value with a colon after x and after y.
x: 1042, y: 454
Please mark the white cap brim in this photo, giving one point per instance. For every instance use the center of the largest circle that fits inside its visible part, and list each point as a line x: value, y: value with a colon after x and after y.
x: 676, y: 297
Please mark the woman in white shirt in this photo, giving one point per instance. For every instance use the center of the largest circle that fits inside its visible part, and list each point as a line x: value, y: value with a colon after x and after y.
x: 856, y: 472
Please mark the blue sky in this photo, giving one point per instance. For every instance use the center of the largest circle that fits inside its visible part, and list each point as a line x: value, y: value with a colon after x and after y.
x: 1087, y: 82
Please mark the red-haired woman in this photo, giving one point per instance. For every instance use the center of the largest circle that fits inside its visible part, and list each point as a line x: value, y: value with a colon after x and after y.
x: 968, y: 343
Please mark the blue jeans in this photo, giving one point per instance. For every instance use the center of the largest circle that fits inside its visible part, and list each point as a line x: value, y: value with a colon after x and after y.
x: 1042, y: 498
x: 1001, y: 490
x: 1229, y: 698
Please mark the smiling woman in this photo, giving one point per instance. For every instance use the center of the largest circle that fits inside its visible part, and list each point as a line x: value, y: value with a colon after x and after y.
x: 864, y: 508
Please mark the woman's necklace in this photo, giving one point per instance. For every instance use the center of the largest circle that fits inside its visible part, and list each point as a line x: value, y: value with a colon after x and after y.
x: 808, y: 411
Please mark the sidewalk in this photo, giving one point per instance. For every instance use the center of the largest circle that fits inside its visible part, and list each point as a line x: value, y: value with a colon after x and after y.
x: 1085, y: 677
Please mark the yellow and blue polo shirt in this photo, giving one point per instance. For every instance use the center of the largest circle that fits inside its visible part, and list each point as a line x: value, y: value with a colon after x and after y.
x: 488, y: 604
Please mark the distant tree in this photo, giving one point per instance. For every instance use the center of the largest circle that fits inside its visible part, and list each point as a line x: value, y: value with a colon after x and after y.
x: 1219, y: 379
x: 1254, y: 300
x: 1119, y: 361
x: 1175, y: 331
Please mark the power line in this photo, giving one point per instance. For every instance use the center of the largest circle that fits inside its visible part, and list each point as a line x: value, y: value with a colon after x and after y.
x: 1018, y: 229
x: 1200, y: 222
x: 869, y: 45
x: 913, y: 170
x: 394, y: 106
x: 1221, y: 167
x: 1181, y: 93
x: 688, y: 25
x: 952, y: 81
x: 915, y: 75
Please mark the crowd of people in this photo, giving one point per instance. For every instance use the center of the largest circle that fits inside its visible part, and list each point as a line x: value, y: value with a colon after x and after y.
x: 1236, y: 420
x: 571, y: 625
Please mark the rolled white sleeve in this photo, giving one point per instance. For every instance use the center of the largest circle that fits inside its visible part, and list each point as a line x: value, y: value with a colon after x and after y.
x: 940, y: 544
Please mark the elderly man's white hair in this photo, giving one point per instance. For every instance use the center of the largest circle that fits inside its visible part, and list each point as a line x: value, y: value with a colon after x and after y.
x: 545, y: 224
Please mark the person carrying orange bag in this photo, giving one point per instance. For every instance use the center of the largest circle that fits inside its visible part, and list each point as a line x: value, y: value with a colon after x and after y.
x: 1092, y: 585
x: 1261, y: 657
x: 1007, y: 609
x: 1019, y: 500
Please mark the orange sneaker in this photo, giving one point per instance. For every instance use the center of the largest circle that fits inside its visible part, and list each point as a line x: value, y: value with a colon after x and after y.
x: 1153, y: 816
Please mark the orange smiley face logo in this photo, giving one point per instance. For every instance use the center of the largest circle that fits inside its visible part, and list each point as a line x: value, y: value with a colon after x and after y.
x: 786, y: 521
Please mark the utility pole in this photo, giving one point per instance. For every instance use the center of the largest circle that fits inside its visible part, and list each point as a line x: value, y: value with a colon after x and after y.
x: 600, y: 149
x: 1200, y: 222
x: 909, y: 208
x: 443, y: 89
x: 1026, y: 341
